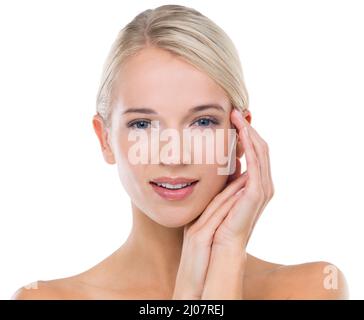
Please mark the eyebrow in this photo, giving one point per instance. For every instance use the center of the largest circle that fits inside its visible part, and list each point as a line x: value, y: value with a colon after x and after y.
x: 192, y: 110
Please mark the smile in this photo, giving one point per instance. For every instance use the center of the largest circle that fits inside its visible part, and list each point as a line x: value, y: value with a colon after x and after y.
x: 173, y: 186
x: 173, y: 191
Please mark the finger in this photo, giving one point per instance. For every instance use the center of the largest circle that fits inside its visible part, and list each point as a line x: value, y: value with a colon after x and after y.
x: 261, y: 148
x: 253, y: 166
x: 265, y: 171
x: 213, y: 221
x: 221, y: 198
x: 237, y: 172
x: 239, y: 143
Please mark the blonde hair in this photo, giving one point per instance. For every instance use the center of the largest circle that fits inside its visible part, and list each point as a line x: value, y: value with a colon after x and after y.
x: 186, y: 33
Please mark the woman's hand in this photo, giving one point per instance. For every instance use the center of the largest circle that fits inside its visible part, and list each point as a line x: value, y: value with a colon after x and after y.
x: 212, y: 233
x: 197, y: 242
x: 258, y: 191
x: 228, y: 253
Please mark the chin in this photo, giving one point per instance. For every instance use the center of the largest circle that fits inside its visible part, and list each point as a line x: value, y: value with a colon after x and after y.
x: 174, y: 218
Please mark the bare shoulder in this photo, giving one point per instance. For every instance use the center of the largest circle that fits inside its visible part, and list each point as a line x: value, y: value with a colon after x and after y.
x: 256, y: 266
x: 94, y: 283
x: 47, y: 290
x: 311, y: 280
x: 38, y: 290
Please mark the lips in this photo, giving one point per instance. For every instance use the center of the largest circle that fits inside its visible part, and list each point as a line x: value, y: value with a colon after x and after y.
x: 173, y: 188
x: 174, y: 181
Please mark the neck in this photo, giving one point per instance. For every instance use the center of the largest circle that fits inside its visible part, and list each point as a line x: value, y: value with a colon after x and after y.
x: 156, y: 250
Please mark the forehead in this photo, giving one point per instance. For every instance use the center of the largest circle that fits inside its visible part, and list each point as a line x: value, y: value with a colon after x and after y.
x: 155, y: 78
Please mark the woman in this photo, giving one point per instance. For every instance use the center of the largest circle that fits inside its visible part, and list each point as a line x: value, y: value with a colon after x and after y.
x: 173, y: 68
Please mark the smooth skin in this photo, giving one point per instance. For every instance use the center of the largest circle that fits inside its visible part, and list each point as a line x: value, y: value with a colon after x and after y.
x: 199, y: 251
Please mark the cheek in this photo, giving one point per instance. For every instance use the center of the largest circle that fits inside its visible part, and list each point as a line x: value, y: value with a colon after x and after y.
x: 225, y: 152
x: 212, y: 181
x: 131, y: 173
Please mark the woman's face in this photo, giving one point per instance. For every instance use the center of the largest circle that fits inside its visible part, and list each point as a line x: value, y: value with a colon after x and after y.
x: 157, y: 80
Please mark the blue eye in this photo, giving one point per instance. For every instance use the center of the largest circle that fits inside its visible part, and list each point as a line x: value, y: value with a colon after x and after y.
x: 145, y: 124
x: 206, y: 122
x: 139, y: 124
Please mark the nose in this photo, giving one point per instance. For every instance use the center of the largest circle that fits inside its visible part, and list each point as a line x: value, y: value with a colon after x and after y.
x: 173, y: 148
x: 176, y: 151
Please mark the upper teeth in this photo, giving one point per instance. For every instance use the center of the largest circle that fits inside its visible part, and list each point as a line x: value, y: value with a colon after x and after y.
x: 173, y: 186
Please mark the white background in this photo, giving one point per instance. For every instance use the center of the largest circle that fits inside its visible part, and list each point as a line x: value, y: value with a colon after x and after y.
x: 63, y: 209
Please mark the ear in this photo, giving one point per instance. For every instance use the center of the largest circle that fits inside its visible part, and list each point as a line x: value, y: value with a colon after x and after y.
x: 103, y: 134
x: 239, y: 147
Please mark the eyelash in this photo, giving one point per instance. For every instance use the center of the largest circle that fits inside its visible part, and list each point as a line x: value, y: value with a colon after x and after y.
x: 214, y: 122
